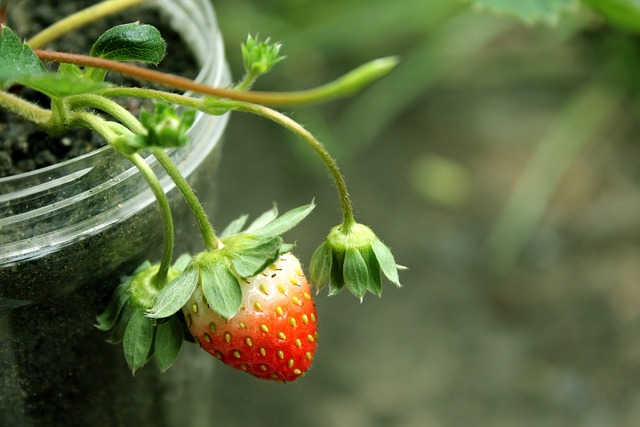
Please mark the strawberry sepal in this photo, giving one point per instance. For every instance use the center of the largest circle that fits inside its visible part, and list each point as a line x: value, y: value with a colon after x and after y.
x: 219, y: 284
x: 142, y: 337
x: 250, y: 254
x: 353, y: 257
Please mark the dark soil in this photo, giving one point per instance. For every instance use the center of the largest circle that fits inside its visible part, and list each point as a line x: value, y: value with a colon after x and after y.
x: 25, y: 147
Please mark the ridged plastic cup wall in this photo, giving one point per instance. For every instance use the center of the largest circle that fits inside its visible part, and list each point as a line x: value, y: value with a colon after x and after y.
x: 68, y: 234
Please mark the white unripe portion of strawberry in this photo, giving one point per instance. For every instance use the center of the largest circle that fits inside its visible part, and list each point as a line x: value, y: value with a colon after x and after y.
x: 274, y: 334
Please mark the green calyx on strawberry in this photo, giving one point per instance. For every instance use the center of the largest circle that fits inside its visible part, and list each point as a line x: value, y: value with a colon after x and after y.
x: 241, y: 285
x: 143, y: 338
x: 352, y: 256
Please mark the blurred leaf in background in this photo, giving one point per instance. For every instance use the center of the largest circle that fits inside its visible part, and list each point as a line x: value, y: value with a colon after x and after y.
x: 530, y: 11
x: 625, y: 13
x: 441, y: 181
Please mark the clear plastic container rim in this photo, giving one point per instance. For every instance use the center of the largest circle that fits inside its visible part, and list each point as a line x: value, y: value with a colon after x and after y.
x: 196, y: 22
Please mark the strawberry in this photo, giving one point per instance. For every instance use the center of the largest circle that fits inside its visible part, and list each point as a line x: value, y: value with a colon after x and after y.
x: 273, y: 335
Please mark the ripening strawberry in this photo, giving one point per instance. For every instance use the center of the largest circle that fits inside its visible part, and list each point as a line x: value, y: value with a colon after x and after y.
x: 273, y: 336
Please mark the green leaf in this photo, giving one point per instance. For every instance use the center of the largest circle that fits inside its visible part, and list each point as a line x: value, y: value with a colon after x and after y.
x: 337, y: 275
x: 356, y: 276
x: 137, y: 341
x: 221, y: 288
x: 168, y: 342
x: 285, y: 222
x: 234, y: 227
x: 118, y: 330
x: 71, y: 70
x: 145, y: 264
x: 623, y: 13
x: 320, y: 267
x: 182, y: 262
x: 530, y: 11
x: 131, y: 42
x: 21, y: 65
x: 386, y: 260
x: 263, y: 219
x: 107, y: 319
x: 375, y: 283
x: 175, y: 294
x: 285, y: 248
x: 61, y: 85
x: 249, y: 257
x: 18, y: 60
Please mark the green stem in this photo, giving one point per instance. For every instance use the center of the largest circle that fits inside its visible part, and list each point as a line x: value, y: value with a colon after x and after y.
x: 58, y: 117
x: 105, y: 129
x: 247, y: 82
x: 312, y: 141
x: 165, y: 211
x: 110, y: 107
x: 211, y: 241
x: 155, y: 94
x: 16, y: 105
x: 78, y: 19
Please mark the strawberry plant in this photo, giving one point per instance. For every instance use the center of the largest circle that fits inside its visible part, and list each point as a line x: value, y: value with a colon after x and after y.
x: 244, y: 298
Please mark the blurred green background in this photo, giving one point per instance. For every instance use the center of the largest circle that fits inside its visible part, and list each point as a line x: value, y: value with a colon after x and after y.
x: 500, y: 162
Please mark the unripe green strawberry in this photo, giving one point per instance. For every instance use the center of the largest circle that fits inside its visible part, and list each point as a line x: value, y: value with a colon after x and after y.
x: 273, y: 336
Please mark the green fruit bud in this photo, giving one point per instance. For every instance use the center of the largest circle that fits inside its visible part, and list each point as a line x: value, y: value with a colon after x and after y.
x: 352, y: 257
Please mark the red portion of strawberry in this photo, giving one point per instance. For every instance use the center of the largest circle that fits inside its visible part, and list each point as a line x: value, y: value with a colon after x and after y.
x: 273, y: 336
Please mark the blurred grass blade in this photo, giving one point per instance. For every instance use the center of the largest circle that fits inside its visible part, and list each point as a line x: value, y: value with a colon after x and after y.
x: 574, y: 127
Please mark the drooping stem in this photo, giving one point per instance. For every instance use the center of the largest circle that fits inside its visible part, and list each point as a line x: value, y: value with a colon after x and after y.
x: 106, y: 129
x: 211, y: 241
x: 312, y: 141
x: 79, y: 19
x: 165, y: 211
